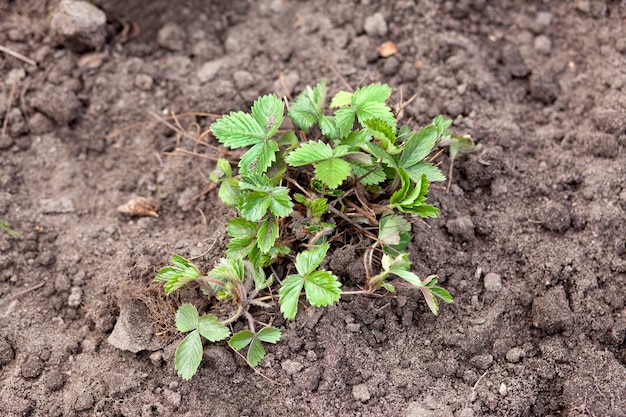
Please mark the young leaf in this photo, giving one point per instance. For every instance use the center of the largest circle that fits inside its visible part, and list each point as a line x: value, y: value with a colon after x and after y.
x: 241, y: 339
x: 256, y: 353
x: 243, y: 237
x: 259, y: 157
x: 309, y: 107
x: 228, y: 270
x: 424, y: 168
x: 229, y: 192
x: 255, y: 206
x: 211, y: 329
x: 238, y: 130
x: 178, y: 275
x: 307, y: 261
x: 418, y: 146
x: 268, y: 112
x: 290, y: 294
x: 309, y: 153
x: 269, y: 335
x: 188, y: 355
x: 281, y: 204
x: 186, y: 318
x: 371, y: 93
x: 322, y: 288
x: 332, y: 172
x: 341, y: 99
x: 268, y: 233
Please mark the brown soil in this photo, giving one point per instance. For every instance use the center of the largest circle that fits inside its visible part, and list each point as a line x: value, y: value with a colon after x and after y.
x: 531, y: 240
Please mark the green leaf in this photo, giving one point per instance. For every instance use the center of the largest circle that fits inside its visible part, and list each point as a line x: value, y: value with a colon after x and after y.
x: 307, y: 261
x: 309, y: 153
x: 318, y: 207
x: 290, y: 294
x: 256, y: 353
x: 268, y: 233
x: 180, y: 274
x: 371, y: 175
x: 341, y: 99
x: 388, y: 287
x: 186, y: 318
x: 229, y: 192
x: 280, y: 203
x: 443, y: 294
x: 211, y: 329
x: 255, y: 206
x: 329, y: 127
x: 269, y: 335
x: 228, y: 270
x: 255, y: 182
x: 424, y: 168
x: 431, y: 301
x: 241, y: 339
x: 188, y: 355
x: 374, y: 110
x: 425, y: 210
x: 344, y: 119
x: 309, y: 107
x: 268, y: 112
x: 381, y: 130
x: 222, y: 171
x: 322, y: 288
x: 238, y: 130
x: 398, y: 197
x: 418, y: 146
x: 332, y: 172
x: 371, y: 93
x: 258, y: 158
x: 394, y: 230
x: 243, y: 237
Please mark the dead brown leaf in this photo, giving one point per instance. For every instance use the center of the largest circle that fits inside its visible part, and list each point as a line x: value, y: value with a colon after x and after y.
x: 140, y: 207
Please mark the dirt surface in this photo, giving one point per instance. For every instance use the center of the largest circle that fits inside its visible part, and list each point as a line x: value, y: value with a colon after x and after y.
x: 531, y: 241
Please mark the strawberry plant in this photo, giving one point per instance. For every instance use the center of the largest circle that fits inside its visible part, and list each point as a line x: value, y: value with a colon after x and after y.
x: 348, y: 176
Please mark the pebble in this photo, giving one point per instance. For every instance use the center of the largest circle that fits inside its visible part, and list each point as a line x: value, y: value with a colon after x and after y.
x: 543, y: 45
x: 171, y: 36
x: 543, y: 19
x: 58, y: 103
x: 144, y: 82
x: 554, y: 216
x: 291, y: 367
x: 503, y: 390
x: 14, y: 76
x: 375, y: 25
x: 551, y: 312
x: 514, y: 355
x: 361, y: 393
x: 493, y: 282
x: 79, y: 25
x: 209, y: 70
x: 75, y: 298
x: 481, y: 361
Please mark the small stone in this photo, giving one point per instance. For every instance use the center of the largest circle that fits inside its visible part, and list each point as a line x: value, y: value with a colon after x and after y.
x: 209, y: 70
x: 291, y: 367
x: 512, y: 59
x: 156, y: 358
x: 376, y: 25
x: 481, y: 361
x: 144, y: 82
x: 6, y: 352
x: 543, y: 19
x: 172, y: 37
x: 243, y: 79
x: 514, y: 355
x: 75, y: 298
x: 551, y: 312
x: 493, y: 282
x: 543, y: 45
x: 32, y: 367
x: 361, y: 393
x: 46, y: 259
x: 133, y: 331
x: 14, y: 76
x: 79, y: 25
x: 461, y: 227
x: 503, y: 390
x: 554, y: 216
x: 58, y: 103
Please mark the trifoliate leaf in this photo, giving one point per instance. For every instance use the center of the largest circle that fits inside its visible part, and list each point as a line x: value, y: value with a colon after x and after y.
x: 341, y: 99
x: 211, y: 329
x: 186, y: 266
x: 322, y: 288
x: 309, y: 153
x: 237, y: 130
x: 188, y: 355
x: 178, y: 275
x: 307, y: 261
x: 332, y: 172
x: 290, y: 294
x: 268, y: 335
x: 186, y: 318
x: 268, y: 112
x: 268, y: 233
